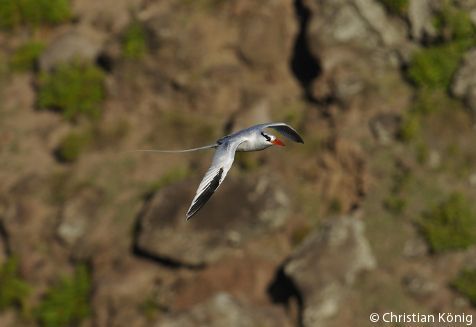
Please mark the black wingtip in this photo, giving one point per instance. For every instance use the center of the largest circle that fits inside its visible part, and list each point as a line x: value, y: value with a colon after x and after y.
x: 206, y: 194
x: 298, y: 139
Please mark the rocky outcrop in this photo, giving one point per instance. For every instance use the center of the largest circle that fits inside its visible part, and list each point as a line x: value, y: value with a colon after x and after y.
x: 240, y: 211
x: 77, y: 215
x: 326, y: 264
x: 464, y: 82
x: 354, y: 41
x: 210, y: 67
x: 108, y: 15
x: 77, y: 44
x: 420, y: 16
x: 266, y: 33
x: 224, y: 310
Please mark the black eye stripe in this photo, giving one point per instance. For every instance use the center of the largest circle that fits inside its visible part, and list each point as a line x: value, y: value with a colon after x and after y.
x: 266, y: 137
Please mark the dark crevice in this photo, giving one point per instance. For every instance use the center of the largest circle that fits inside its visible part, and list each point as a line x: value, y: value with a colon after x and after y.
x: 4, y: 239
x: 282, y: 290
x: 303, y: 64
x: 162, y: 260
x: 106, y: 62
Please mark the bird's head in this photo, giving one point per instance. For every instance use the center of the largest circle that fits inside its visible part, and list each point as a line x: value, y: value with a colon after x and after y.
x: 271, y: 139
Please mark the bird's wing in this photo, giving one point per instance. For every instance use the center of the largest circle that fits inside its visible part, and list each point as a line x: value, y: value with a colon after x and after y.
x: 285, y: 130
x: 221, y: 163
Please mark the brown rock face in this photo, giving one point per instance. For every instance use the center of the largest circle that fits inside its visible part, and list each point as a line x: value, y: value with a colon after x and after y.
x: 464, y: 82
x: 276, y: 245
x: 325, y: 265
x: 354, y: 41
x: 224, y: 310
x: 239, y: 211
x: 344, y: 176
x: 76, y: 44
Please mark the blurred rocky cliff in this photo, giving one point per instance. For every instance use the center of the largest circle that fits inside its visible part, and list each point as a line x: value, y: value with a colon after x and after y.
x: 374, y: 213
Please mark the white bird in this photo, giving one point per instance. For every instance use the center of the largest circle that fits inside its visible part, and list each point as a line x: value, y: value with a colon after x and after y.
x: 253, y: 138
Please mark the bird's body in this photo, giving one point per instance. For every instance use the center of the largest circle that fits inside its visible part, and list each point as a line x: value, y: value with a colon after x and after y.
x: 247, y: 139
x: 254, y: 138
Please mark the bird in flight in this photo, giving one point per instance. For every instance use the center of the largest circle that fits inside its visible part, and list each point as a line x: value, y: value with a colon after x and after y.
x: 254, y: 138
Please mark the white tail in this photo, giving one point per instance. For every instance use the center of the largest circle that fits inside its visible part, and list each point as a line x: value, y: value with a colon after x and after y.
x: 181, y: 151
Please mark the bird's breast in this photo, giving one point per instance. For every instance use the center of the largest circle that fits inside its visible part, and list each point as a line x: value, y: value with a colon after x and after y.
x: 251, y: 146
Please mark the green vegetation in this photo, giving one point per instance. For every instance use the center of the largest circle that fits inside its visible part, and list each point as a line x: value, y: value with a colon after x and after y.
x: 134, y: 41
x: 433, y: 67
x: 431, y: 70
x: 151, y: 307
x: 13, y: 290
x: 75, y: 89
x: 395, y: 204
x: 398, y: 7
x: 427, y: 101
x: 66, y: 303
x: 335, y: 206
x: 465, y: 283
x: 72, y: 146
x: 26, y: 56
x: 410, y: 127
x: 15, y: 13
x: 422, y: 153
x: 95, y: 137
x: 453, y: 23
x: 450, y: 225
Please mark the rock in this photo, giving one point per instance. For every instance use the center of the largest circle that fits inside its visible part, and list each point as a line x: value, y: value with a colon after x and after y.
x: 27, y: 222
x: 327, y: 263
x: 254, y: 109
x: 9, y: 318
x: 344, y: 177
x: 472, y: 179
x: 76, y: 215
x: 418, y: 285
x: 121, y: 289
x: 109, y: 15
x: 384, y: 127
x: 434, y: 159
x: 464, y: 81
x: 472, y: 16
x: 352, y: 40
x: 240, y: 211
x: 224, y: 310
x: 267, y: 33
x: 363, y: 23
x: 415, y: 247
x: 77, y: 44
x: 420, y: 16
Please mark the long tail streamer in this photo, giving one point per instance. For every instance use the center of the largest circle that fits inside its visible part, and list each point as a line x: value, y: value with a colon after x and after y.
x: 181, y: 151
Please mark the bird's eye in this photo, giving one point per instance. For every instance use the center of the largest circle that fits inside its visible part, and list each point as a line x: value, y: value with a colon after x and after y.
x: 266, y: 137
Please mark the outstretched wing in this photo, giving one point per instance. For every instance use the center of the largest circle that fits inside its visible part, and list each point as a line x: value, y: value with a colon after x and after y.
x: 285, y: 130
x: 221, y: 164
